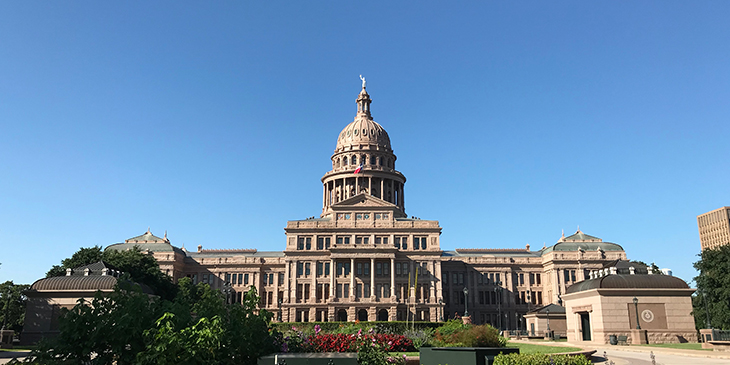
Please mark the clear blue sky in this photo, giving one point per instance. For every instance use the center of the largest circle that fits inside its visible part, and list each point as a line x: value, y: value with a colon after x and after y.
x: 216, y: 120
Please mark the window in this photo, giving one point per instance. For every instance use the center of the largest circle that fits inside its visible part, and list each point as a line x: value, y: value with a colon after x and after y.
x: 326, y: 269
x: 446, y: 277
x: 346, y: 290
x: 309, y: 243
x: 362, y: 240
x: 566, y: 275
x: 372, y: 160
x: 461, y: 278
x: 358, y: 291
x: 300, y: 268
x: 343, y: 240
x: 281, y: 281
x: 496, y: 277
x: 532, y: 279
x: 537, y: 276
x: 386, y: 268
x: 240, y: 279
x: 401, y: 242
x: 366, y: 215
x: 245, y: 279
x: 358, y: 216
x: 344, y: 160
x: 339, y: 269
x: 300, y: 244
x: 415, y: 242
x: 271, y: 279
x: 320, y: 269
x: 347, y: 268
x: 397, y: 242
x: 366, y: 293
x: 306, y: 269
x: 339, y: 291
x: 320, y: 243
x: 480, y: 279
x: 378, y: 269
x: 456, y: 278
x: 228, y: 278
x: 522, y: 279
x: 367, y: 268
x: 406, y: 270
x: 378, y: 216
x: 266, y: 279
x: 572, y: 275
x: 397, y: 268
x: 359, y: 268
x: 354, y: 160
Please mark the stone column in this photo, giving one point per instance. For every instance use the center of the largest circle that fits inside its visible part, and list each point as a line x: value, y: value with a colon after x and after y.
x: 372, y: 278
x: 293, y: 286
x: 332, y: 279
x: 432, y: 282
x: 382, y: 188
x: 370, y: 185
x: 313, y: 289
x: 287, y: 269
x: 352, y: 278
x: 392, y: 279
x: 357, y: 185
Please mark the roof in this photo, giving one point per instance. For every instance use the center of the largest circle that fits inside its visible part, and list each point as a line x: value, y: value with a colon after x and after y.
x: 76, y: 283
x: 553, y: 308
x: 94, y: 269
x: 491, y: 252
x: 623, y: 281
x: 581, y: 241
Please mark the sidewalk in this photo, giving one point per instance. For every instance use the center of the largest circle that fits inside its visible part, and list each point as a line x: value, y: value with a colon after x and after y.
x: 600, y: 347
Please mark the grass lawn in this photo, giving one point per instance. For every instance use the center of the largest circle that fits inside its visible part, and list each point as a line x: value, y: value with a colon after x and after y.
x: 17, y: 349
x: 683, y: 346
x: 528, y: 348
x: 404, y: 353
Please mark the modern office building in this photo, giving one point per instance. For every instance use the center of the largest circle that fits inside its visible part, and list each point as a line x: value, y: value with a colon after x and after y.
x: 363, y: 258
x: 714, y: 228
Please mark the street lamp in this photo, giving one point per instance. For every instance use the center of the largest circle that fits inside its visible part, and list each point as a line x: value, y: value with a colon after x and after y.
x: 636, y: 307
x: 466, y: 302
x: 547, y: 312
x: 560, y: 300
x: 441, y: 305
x: 280, y: 301
x: 498, y: 296
x: 707, y: 310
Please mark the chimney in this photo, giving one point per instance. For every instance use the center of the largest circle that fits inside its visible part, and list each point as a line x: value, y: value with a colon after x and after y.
x: 86, y: 271
x: 200, y: 248
x: 650, y: 270
x: 632, y: 271
x: 69, y: 272
x: 613, y: 270
x: 104, y: 272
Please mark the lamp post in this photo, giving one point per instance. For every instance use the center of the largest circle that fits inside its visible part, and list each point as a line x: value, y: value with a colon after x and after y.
x: 708, y: 324
x: 498, y: 296
x: 560, y: 300
x: 441, y: 305
x: 279, y: 306
x: 466, y: 302
x: 636, y: 308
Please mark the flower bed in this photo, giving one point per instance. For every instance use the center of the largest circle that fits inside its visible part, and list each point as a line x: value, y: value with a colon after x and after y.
x: 348, y: 343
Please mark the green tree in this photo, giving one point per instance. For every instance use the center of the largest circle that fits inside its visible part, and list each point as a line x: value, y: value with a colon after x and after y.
x: 713, y: 286
x: 12, y: 305
x: 83, y: 256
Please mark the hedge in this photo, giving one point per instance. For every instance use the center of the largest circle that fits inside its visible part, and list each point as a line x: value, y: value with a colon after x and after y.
x: 380, y: 327
x: 540, y: 359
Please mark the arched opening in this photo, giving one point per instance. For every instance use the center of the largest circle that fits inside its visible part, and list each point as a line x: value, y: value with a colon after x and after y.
x: 342, y: 315
x: 383, y: 315
x: 372, y: 160
x: 362, y: 315
x: 344, y: 161
x: 354, y: 160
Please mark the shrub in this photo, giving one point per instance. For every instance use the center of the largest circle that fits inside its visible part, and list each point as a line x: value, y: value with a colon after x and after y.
x: 480, y: 336
x: 353, y: 327
x: 540, y: 359
x: 420, y: 337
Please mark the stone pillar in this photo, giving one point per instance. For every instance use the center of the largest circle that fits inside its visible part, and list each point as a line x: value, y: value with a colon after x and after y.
x: 293, y: 286
x: 370, y: 185
x: 372, y: 279
x: 382, y: 188
x: 287, y: 276
x: 352, y: 279
x: 313, y: 289
x: 432, y: 283
x: 439, y: 285
x: 332, y: 279
x: 357, y: 185
x: 392, y: 279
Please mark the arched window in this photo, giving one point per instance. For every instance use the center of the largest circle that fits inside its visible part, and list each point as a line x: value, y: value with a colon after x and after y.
x: 344, y: 161
x: 363, y: 159
x: 380, y: 161
x: 354, y: 160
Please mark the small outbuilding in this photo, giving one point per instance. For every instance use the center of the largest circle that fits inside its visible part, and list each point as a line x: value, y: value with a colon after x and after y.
x: 546, y: 321
x: 48, y: 297
x: 637, y: 308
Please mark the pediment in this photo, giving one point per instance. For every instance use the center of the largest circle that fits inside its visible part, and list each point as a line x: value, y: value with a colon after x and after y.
x: 364, y: 200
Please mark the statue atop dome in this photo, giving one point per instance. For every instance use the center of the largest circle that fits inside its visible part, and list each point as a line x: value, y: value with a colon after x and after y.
x: 363, y: 81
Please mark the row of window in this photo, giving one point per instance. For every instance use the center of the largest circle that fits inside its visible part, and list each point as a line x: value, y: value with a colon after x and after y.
x: 353, y: 161
x: 535, y: 279
x: 304, y: 243
x: 363, y: 216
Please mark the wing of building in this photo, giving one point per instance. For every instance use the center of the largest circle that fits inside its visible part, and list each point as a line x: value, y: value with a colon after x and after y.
x: 363, y: 258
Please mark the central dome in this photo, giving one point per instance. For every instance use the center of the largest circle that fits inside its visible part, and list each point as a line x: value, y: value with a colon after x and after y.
x: 363, y: 130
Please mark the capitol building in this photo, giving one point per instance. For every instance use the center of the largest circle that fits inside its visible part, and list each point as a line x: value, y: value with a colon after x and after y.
x: 363, y: 258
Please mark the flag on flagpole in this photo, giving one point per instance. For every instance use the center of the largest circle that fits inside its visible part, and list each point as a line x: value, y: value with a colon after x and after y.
x: 358, y: 169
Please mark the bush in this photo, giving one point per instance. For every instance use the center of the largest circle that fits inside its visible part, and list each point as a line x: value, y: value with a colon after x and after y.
x: 480, y: 336
x: 540, y: 359
x: 420, y: 337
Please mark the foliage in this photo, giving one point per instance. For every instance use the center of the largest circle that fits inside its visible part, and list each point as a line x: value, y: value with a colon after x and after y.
x: 420, y: 337
x: 141, y: 267
x: 531, y: 348
x: 372, y: 352
x: 341, y: 342
x: 654, y: 268
x: 12, y: 305
x: 540, y: 359
x: 130, y: 327
x: 83, y: 256
x: 480, y: 336
x: 713, y: 286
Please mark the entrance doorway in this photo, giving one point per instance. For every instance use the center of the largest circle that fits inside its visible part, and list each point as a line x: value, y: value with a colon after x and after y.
x: 383, y: 315
x: 585, y: 325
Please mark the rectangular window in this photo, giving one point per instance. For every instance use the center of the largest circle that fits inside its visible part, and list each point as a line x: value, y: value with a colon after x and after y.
x: 493, y: 295
x: 416, y: 243
x: 378, y: 269
x: 245, y: 279
x: 480, y: 279
x: 281, y: 281
x: 320, y: 288
x: 347, y: 268
x: 537, y: 276
x: 406, y: 269
x: 339, y: 269
x: 386, y: 290
x: 367, y: 268
x: 327, y: 243
x: 346, y: 290
x: 307, y: 271
x: 496, y: 277
x: 456, y: 278
x: 358, y: 240
x: 228, y: 278
x: 366, y: 240
x: 300, y: 289
x: 397, y: 242
x: 572, y: 275
x: 300, y: 268
x: 358, y: 291
x: 327, y: 269
x: 320, y: 269
x: 366, y: 294
x: 320, y: 243
x: 271, y: 297
x: 378, y: 240
x: 379, y: 291
x: 300, y: 244
x: 339, y: 291
x: 240, y: 279
x: 481, y: 297
x: 461, y: 278
x: 306, y: 291
x: 446, y: 277
x: 309, y: 243
x: 424, y: 244
x: 397, y: 268
x: 359, y: 268
x: 522, y: 279
x: 386, y: 268
x: 385, y: 240
x: 566, y: 275
x: 205, y: 279
x: 265, y: 279
x: 532, y: 279
x: 343, y: 240
x: 340, y: 240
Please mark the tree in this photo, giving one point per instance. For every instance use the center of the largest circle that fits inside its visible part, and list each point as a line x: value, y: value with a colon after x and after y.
x: 83, y: 256
x: 12, y: 305
x: 141, y: 267
x: 713, y: 286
